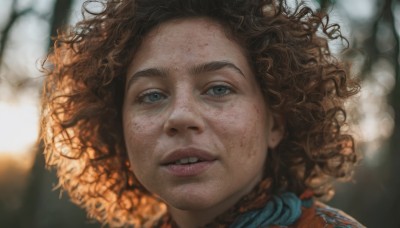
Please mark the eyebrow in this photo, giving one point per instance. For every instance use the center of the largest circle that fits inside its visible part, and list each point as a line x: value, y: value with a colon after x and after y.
x: 214, y: 66
x: 147, y: 73
x: 196, y: 70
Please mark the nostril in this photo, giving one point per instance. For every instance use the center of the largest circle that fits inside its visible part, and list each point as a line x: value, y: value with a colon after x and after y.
x: 173, y: 131
x: 193, y: 128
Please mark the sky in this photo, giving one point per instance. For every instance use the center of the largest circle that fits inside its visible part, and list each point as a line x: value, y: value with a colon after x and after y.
x: 19, y: 98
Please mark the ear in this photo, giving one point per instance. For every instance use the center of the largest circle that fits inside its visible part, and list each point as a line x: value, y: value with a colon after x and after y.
x: 276, y: 131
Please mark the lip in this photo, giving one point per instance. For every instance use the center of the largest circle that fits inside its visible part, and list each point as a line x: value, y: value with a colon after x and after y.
x: 186, y: 153
x: 191, y: 169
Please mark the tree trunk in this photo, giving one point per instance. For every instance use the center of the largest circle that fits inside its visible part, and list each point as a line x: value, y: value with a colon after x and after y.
x: 39, y: 176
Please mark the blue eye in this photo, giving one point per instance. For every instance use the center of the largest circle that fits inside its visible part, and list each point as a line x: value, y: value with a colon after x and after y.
x: 219, y: 90
x: 151, y: 97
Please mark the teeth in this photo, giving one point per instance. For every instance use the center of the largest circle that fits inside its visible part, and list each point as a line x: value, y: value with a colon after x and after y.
x: 187, y: 160
x: 184, y: 160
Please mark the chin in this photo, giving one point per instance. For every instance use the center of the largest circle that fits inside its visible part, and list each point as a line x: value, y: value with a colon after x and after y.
x: 190, y: 202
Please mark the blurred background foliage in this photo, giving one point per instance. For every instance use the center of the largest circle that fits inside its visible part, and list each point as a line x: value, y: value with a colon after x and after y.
x: 26, y: 195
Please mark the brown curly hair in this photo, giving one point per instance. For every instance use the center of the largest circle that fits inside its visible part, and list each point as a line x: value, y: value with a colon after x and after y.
x: 305, y: 85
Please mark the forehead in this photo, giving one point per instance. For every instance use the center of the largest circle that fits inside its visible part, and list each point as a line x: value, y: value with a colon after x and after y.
x: 189, y: 39
x: 190, y: 28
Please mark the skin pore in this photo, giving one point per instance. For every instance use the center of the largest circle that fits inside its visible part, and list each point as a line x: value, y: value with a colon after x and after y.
x: 191, y: 94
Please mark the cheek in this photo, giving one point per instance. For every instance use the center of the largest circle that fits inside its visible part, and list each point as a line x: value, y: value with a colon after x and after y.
x: 243, y: 131
x: 252, y: 146
x: 139, y: 139
x: 138, y: 127
x: 246, y: 145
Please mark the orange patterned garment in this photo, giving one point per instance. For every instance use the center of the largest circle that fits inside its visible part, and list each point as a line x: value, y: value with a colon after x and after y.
x: 311, y: 214
x: 321, y: 215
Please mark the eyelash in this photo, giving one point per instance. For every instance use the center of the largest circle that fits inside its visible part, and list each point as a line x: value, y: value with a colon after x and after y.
x: 228, y: 90
x: 142, y: 97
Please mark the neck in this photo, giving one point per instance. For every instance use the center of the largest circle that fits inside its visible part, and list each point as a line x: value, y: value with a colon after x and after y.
x: 199, y: 218
x: 196, y: 218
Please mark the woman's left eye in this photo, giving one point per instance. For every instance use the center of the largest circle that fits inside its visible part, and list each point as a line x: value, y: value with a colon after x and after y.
x: 219, y: 90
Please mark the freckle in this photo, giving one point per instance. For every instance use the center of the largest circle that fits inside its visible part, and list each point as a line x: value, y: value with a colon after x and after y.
x: 241, y: 143
x: 137, y: 127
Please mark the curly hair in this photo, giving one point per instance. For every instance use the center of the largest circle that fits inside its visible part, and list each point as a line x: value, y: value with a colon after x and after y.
x: 301, y: 80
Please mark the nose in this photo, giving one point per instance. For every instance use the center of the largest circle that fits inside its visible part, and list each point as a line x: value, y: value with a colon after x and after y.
x: 184, y: 117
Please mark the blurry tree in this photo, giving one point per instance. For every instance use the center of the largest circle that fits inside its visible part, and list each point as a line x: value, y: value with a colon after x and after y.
x: 59, y: 18
x: 374, y: 199
x: 31, y: 200
x: 40, y: 206
x: 14, y: 16
x: 384, y: 44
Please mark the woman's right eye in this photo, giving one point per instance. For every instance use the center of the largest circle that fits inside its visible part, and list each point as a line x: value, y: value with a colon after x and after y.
x: 151, y: 97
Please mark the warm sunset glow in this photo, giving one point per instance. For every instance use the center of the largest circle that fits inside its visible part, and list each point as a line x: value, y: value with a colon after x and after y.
x: 18, y: 125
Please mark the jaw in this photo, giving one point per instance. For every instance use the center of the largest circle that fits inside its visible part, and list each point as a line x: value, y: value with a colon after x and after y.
x: 196, y: 211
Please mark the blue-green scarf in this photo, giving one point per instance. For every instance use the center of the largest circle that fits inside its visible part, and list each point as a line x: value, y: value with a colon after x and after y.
x: 281, y: 210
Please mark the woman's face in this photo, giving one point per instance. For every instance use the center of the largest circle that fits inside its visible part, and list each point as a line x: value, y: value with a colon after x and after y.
x: 196, y: 125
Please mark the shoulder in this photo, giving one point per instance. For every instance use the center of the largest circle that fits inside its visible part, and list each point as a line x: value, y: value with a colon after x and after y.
x: 321, y: 215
